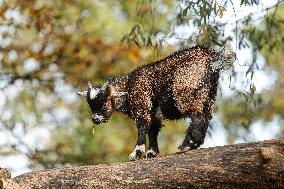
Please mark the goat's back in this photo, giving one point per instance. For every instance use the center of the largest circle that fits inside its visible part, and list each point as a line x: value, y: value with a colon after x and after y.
x: 182, y: 80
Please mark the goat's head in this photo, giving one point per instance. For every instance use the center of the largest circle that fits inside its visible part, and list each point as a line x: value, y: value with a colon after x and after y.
x: 100, y: 100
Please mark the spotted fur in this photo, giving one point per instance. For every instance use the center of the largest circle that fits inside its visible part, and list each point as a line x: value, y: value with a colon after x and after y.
x: 182, y: 85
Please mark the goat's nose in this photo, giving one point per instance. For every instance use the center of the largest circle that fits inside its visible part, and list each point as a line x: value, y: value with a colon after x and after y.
x: 93, y: 116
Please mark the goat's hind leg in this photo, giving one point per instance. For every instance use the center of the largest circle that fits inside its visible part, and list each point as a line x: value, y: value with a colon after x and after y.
x: 195, y: 133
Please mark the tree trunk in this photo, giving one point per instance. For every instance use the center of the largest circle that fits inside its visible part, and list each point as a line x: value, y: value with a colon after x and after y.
x: 251, y: 165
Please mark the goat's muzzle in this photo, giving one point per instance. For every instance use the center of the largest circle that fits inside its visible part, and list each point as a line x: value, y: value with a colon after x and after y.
x: 97, y: 119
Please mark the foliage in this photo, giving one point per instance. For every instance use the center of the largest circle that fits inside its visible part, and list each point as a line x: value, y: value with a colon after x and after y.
x: 268, y: 104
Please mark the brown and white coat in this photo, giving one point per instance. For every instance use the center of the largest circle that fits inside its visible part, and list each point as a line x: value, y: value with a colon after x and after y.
x: 182, y: 85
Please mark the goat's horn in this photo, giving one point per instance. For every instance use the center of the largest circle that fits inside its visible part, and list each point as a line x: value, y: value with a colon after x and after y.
x: 90, y: 85
x: 104, y: 86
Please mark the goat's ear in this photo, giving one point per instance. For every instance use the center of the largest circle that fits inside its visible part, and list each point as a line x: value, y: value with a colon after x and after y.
x: 111, y: 91
x: 82, y: 93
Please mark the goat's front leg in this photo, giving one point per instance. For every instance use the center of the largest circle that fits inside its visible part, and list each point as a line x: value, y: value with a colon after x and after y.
x: 139, y: 150
x: 153, y: 140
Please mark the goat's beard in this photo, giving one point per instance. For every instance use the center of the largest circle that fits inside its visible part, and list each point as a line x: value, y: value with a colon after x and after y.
x: 97, y: 119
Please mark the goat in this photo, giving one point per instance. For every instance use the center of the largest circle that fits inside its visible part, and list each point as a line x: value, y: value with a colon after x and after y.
x: 182, y: 85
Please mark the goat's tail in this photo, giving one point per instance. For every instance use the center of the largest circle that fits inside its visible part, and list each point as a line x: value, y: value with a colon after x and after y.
x: 225, y: 58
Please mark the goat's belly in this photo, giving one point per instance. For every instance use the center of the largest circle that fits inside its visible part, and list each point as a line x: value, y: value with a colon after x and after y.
x: 190, y: 89
x: 168, y: 110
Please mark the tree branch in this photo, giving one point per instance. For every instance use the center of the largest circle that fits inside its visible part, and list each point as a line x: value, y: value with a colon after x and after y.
x: 256, y: 165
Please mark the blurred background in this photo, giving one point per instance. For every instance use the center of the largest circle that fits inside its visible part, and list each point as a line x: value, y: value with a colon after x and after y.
x: 50, y: 49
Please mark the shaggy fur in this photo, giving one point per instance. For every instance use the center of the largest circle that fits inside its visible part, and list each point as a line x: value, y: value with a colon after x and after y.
x: 181, y: 85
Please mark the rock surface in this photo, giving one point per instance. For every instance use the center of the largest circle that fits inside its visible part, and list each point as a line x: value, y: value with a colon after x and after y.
x: 250, y: 165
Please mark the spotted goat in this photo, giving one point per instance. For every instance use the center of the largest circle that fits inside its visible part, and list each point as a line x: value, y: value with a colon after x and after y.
x: 182, y: 85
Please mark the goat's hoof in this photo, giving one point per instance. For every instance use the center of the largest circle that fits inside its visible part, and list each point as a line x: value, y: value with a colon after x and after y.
x: 190, y: 145
x: 135, y: 155
x: 150, y: 154
x: 184, y: 148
